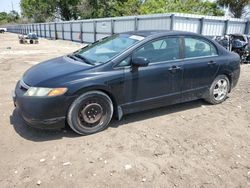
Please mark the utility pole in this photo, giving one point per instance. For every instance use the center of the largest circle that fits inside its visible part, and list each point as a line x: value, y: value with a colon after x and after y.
x: 12, y: 6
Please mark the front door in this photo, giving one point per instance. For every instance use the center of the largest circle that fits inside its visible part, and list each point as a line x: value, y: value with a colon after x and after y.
x: 160, y: 82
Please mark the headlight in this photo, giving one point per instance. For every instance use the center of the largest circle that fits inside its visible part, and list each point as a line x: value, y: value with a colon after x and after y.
x: 41, y: 91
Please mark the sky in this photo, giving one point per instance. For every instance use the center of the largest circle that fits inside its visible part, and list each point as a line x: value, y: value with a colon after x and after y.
x: 5, y: 5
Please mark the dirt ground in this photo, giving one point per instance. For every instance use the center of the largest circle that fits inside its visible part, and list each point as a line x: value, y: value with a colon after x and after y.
x: 186, y: 145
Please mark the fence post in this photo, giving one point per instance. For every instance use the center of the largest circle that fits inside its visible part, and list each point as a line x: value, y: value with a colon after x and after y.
x: 62, y: 31
x: 94, y: 31
x: 71, y: 34
x: 55, y: 31
x: 247, y: 28
x: 172, y: 18
x: 44, y: 27
x: 81, y: 32
x: 40, y: 28
x: 112, y: 26
x: 136, y: 24
x: 36, y: 30
x: 226, y: 27
x: 49, y: 31
x: 201, y: 25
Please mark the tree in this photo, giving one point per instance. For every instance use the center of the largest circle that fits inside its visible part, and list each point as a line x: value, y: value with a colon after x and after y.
x: 182, y: 6
x: 153, y: 6
x: 129, y: 7
x: 13, y: 16
x: 47, y: 10
x: 38, y: 10
x: 67, y: 9
x: 108, y: 8
x: 5, y: 17
x: 236, y: 7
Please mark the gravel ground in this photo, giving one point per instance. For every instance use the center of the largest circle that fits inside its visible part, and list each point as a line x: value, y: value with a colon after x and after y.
x: 186, y: 145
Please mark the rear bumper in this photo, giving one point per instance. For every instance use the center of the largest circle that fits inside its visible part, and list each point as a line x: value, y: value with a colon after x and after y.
x: 42, y: 112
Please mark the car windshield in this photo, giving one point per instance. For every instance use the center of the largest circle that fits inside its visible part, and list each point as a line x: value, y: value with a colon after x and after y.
x: 107, y: 48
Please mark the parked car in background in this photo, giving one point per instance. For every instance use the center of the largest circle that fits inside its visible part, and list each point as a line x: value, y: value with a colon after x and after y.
x: 237, y: 43
x: 3, y: 30
x: 123, y: 74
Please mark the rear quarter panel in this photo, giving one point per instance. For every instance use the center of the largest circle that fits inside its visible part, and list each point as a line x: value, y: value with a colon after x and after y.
x: 231, y: 67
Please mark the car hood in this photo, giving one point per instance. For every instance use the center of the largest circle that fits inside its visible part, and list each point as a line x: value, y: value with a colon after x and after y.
x: 52, y: 69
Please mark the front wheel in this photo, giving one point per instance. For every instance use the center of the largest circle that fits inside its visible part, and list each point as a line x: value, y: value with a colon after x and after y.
x: 219, y: 90
x: 90, y: 113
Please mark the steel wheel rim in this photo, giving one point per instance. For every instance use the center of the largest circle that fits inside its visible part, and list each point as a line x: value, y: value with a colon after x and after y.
x: 220, y: 89
x: 90, y: 114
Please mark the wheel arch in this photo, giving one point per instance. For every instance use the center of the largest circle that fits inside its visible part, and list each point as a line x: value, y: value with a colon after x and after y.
x: 228, y: 73
x: 229, y: 76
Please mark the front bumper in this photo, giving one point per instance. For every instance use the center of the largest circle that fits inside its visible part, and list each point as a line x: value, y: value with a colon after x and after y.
x: 42, y: 112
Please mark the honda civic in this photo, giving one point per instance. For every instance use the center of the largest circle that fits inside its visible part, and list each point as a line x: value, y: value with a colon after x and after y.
x: 122, y: 74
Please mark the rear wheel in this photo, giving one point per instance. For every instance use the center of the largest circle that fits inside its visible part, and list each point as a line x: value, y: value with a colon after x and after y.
x: 90, y: 113
x: 219, y: 90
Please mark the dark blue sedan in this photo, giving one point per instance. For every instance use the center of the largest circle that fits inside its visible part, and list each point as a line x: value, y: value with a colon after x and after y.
x: 122, y: 74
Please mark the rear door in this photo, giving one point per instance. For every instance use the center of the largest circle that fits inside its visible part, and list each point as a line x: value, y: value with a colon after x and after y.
x: 200, y: 65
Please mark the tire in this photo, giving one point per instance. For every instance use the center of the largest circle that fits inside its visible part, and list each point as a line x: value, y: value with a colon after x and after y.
x: 219, y: 89
x: 31, y: 41
x: 90, y: 113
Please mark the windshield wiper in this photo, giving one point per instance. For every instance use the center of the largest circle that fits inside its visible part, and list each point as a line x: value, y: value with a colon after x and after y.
x: 83, y: 59
x: 72, y: 57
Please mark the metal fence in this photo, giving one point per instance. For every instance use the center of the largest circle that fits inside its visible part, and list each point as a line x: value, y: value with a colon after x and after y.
x: 89, y: 31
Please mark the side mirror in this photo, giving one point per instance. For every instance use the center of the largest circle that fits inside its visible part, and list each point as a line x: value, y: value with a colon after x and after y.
x: 140, y: 62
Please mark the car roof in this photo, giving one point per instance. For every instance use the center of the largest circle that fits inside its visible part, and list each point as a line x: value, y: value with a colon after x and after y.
x: 149, y: 33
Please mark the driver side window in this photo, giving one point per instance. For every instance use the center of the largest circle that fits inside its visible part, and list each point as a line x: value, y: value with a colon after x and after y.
x: 165, y: 49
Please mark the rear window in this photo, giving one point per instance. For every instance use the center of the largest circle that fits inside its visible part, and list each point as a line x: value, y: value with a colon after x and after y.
x: 198, y: 48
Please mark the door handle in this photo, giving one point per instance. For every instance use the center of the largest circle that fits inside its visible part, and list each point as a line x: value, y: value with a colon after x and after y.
x: 174, y: 68
x: 211, y: 63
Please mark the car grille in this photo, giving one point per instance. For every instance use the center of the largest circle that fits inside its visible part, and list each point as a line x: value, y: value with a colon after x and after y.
x: 23, y: 85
